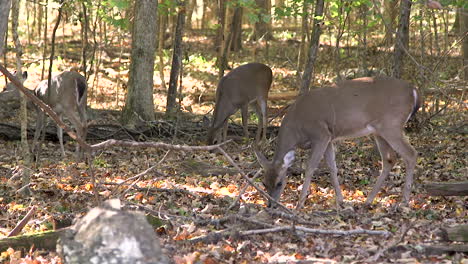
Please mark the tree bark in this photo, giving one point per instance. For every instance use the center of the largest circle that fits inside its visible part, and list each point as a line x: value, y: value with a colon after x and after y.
x: 5, y: 6
x: 262, y: 28
x: 313, y: 47
x: 171, y: 106
x: 25, y: 178
x: 457, y: 233
x: 304, y: 28
x: 139, y: 103
x: 390, y: 14
x: 236, y: 29
x: 447, y: 188
x: 464, y: 34
x: 402, y: 38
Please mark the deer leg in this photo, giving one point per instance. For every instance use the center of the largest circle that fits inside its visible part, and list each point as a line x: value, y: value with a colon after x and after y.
x: 261, y: 108
x: 245, y: 119
x: 224, y: 131
x: 60, y: 137
x: 220, y: 119
x: 397, y: 141
x: 317, y: 153
x: 331, y: 162
x: 37, y: 133
x: 80, y: 129
x: 388, y: 160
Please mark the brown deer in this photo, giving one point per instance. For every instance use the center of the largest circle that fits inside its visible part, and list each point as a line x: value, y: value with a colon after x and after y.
x: 242, y: 86
x: 67, y: 97
x: 355, y: 108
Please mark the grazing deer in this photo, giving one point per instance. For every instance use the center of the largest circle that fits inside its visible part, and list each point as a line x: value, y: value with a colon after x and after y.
x: 355, y: 108
x: 67, y: 96
x: 242, y: 86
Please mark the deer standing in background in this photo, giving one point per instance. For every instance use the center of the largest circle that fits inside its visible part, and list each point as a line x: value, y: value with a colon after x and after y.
x: 242, y: 86
x: 380, y: 106
x: 67, y: 97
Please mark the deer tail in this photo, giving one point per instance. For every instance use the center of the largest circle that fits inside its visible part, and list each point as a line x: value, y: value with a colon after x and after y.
x: 417, y: 102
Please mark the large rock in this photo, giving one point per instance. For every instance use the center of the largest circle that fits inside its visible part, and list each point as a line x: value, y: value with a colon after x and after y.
x: 109, y: 235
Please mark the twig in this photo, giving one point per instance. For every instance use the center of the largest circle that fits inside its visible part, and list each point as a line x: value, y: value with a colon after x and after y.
x: 137, y: 177
x: 379, y: 253
x: 143, y: 189
x: 22, y: 223
x: 266, y: 195
x: 244, y: 187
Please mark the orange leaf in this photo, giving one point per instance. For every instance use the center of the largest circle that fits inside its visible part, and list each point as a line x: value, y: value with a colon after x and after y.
x: 299, y: 256
x: 89, y: 186
x: 139, y: 196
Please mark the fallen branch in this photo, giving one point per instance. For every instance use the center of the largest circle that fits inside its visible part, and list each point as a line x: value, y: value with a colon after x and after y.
x: 316, y: 231
x: 22, y: 223
x: 447, y: 188
x: 457, y: 233
x: 45, y: 240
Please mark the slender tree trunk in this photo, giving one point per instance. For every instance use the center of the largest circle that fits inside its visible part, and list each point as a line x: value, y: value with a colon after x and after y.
x: 191, y: 5
x: 436, y: 32
x: 390, y: 14
x: 5, y: 6
x: 162, y: 30
x: 25, y: 178
x: 171, y: 106
x: 313, y: 47
x: 402, y: 38
x: 84, y: 38
x: 221, y: 36
x: 52, y: 46
x: 44, y: 51
x: 304, y: 28
x: 464, y: 34
x: 262, y: 28
x: 139, y: 104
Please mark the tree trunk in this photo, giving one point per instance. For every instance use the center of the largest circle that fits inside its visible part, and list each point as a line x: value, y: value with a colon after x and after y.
x: 163, y: 18
x: 171, y: 105
x: 313, y: 47
x: 5, y: 6
x: 44, y: 51
x: 464, y: 33
x: 139, y: 103
x: 390, y: 14
x: 402, y: 38
x: 236, y: 29
x: 304, y: 28
x: 262, y: 28
x: 191, y: 5
x: 25, y: 178
x: 220, y: 41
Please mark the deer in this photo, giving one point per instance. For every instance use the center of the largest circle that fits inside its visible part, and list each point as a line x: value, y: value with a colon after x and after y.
x: 244, y: 85
x: 67, y: 97
x: 349, y: 109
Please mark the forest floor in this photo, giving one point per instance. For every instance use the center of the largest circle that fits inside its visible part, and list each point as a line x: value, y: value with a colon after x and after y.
x: 192, y: 191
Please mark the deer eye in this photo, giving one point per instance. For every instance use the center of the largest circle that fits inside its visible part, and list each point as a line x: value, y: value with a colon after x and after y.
x: 279, y: 184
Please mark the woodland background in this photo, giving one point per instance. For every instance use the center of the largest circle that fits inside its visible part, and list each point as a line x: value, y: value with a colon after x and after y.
x: 183, y: 48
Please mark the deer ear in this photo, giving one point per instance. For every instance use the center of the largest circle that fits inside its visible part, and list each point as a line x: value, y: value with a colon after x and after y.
x: 288, y: 159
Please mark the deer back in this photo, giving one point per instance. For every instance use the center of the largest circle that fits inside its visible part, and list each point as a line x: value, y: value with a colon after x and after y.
x: 244, y: 84
x: 68, y: 91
